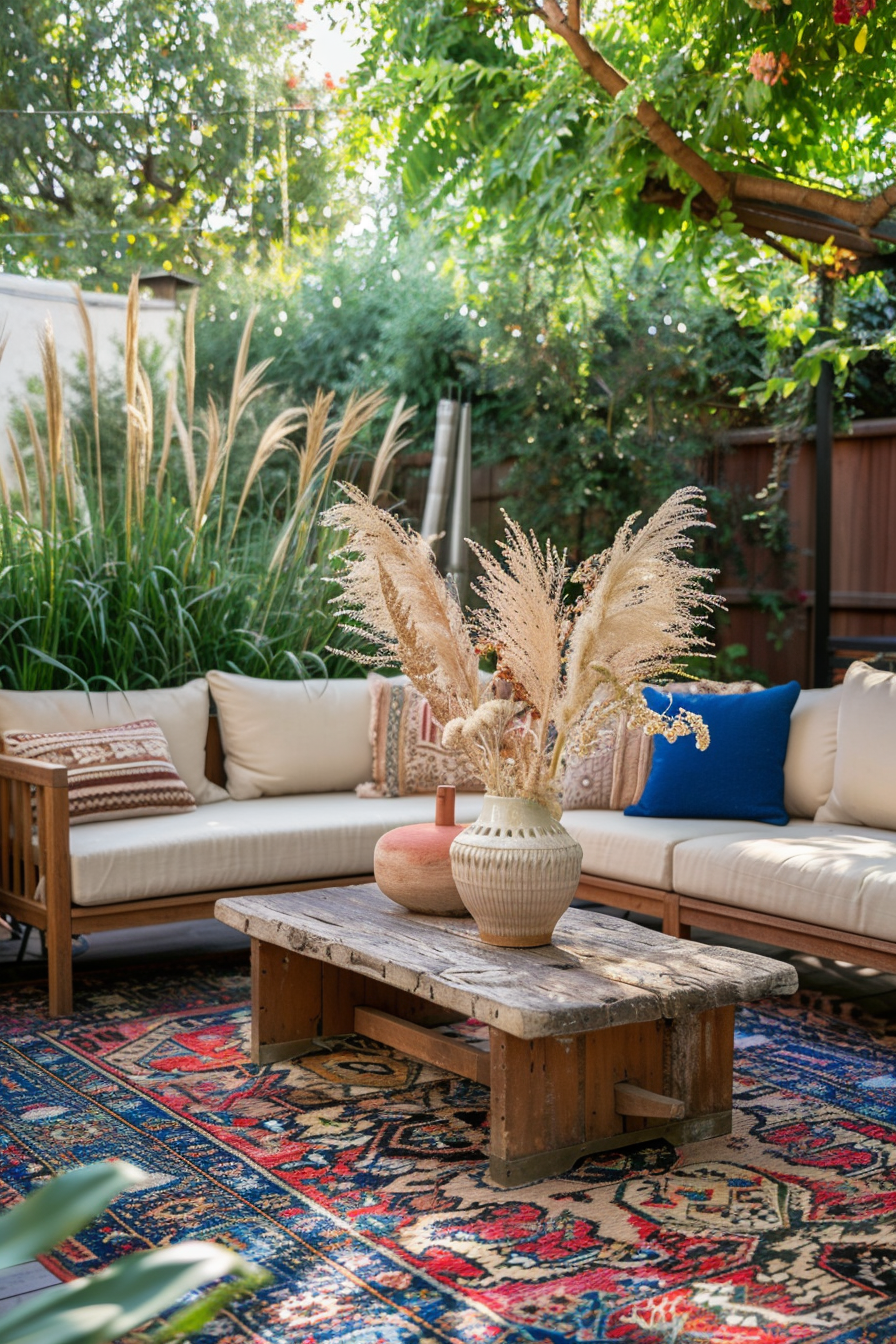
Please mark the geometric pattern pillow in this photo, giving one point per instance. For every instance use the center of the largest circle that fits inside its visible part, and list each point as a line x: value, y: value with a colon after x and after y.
x: 408, y: 756
x: 112, y: 772
x: 612, y: 775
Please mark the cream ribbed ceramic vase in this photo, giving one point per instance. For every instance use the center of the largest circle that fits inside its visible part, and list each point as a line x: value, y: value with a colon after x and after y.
x: 517, y: 870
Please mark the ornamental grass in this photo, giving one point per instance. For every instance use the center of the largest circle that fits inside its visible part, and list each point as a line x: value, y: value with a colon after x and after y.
x: 171, y: 573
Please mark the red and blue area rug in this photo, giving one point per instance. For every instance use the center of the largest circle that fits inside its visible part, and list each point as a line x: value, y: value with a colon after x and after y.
x: 358, y: 1178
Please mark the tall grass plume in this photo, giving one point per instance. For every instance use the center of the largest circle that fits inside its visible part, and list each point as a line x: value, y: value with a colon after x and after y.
x: 174, y: 572
x: 563, y: 667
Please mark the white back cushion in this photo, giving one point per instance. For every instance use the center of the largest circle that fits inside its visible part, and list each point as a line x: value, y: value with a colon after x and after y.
x: 811, y: 747
x: 864, y: 792
x: 180, y: 711
x: 284, y: 737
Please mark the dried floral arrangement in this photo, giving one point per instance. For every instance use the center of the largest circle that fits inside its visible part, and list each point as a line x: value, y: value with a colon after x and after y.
x: 563, y: 668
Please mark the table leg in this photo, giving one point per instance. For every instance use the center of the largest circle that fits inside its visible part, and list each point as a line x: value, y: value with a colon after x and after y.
x: 296, y: 1000
x: 554, y: 1100
x: 286, y: 1003
x: 537, y: 1105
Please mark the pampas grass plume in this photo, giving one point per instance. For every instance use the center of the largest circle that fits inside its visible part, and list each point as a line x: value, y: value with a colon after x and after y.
x: 562, y: 669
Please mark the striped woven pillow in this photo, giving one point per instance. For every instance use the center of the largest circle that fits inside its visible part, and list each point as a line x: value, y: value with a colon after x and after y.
x: 112, y: 772
x: 408, y: 756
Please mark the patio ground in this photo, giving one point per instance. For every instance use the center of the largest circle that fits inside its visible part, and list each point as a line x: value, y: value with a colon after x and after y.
x: 838, y: 984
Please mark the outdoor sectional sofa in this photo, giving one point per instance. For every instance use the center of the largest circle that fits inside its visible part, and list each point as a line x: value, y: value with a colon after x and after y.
x: 291, y: 756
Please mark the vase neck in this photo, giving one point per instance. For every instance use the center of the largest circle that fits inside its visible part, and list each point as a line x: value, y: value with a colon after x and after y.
x: 515, y: 812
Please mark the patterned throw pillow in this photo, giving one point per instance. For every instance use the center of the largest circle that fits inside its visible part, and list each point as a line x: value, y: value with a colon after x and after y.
x: 408, y: 756
x: 112, y: 772
x: 613, y: 774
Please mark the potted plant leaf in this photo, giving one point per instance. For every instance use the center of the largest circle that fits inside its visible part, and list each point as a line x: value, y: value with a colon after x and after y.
x: 134, y: 1290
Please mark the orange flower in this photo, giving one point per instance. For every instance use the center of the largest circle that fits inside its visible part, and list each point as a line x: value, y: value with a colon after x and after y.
x: 769, y: 68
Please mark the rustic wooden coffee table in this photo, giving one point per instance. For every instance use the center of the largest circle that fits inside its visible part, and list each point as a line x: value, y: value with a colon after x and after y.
x: 611, y: 1035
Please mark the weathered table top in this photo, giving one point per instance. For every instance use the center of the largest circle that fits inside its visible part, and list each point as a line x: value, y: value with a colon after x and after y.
x: 598, y: 972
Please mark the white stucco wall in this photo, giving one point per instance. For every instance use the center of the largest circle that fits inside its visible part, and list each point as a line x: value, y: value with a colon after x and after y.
x: 25, y: 305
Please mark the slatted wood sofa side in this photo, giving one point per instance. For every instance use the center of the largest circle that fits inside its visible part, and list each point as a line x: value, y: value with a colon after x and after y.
x: 35, y: 869
x: 680, y: 914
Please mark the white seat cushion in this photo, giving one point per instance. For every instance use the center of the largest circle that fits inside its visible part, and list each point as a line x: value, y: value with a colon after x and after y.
x: 640, y: 849
x: 843, y: 877
x: 241, y: 844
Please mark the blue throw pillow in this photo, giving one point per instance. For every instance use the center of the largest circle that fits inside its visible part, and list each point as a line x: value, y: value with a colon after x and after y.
x: 740, y: 775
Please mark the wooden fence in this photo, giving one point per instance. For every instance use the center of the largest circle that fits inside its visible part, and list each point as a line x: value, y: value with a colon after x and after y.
x: 863, y: 563
x: 863, y: 547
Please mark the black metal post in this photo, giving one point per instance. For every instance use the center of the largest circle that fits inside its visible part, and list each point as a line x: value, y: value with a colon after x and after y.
x: 824, y: 451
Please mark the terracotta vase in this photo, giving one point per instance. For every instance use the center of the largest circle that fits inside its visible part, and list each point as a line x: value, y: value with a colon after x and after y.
x: 517, y: 870
x: 412, y: 864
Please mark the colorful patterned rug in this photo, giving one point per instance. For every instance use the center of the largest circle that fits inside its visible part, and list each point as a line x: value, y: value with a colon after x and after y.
x: 358, y: 1178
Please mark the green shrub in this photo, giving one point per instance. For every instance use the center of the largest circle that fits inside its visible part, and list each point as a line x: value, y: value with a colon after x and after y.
x: 375, y: 313
x: 605, y: 395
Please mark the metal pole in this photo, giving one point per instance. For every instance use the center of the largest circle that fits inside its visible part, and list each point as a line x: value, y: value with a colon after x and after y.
x: 441, y: 472
x: 824, y: 451
x: 457, y: 563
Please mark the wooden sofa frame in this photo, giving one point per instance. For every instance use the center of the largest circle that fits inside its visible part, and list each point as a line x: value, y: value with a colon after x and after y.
x: 35, y: 887
x: 681, y: 914
x: 35, y: 880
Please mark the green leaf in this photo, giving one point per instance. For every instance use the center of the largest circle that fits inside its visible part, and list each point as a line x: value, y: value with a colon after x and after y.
x: 861, y: 39
x: 42, y: 656
x: 62, y: 1207
x: 116, y: 1300
x: 524, y: 33
x: 757, y: 97
x: 189, y: 1320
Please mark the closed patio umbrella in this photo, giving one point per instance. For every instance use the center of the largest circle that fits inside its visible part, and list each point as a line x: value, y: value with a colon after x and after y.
x: 441, y: 472
x: 457, y: 563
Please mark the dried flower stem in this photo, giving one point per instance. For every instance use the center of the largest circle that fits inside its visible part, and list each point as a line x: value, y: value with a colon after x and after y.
x: 562, y: 671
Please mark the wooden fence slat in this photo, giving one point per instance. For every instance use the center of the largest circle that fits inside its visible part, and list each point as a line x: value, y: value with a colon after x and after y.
x: 863, y: 575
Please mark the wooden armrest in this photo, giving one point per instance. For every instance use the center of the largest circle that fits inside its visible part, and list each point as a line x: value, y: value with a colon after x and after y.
x: 34, y: 772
